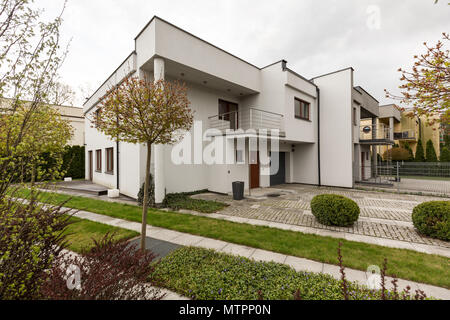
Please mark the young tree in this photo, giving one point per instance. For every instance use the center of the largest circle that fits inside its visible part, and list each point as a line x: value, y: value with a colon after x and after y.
x: 30, y: 58
x: 431, y: 153
x: 141, y: 111
x: 420, y: 154
x: 445, y: 155
x: 427, y: 86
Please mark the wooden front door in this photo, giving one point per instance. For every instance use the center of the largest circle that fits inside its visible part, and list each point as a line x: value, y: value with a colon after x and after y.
x: 254, y: 170
x: 91, y: 163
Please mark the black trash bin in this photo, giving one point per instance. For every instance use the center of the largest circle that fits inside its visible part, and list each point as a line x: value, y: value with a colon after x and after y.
x: 238, y: 190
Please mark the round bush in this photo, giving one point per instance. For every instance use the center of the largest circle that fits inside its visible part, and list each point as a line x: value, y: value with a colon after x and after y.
x: 335, y: 210
x: 433, y: 219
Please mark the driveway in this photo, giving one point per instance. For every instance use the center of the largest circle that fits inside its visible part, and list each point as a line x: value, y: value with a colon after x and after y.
x: 383, y: 215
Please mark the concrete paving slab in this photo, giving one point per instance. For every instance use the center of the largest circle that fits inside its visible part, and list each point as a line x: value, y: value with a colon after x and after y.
x: 212, y: 244
x: 187, y: 240
x: 238, y: 250
x: 263, y: 255
x: 300, y: 264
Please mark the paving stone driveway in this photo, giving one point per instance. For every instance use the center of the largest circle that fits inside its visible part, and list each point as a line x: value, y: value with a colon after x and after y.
x: 383, y: 215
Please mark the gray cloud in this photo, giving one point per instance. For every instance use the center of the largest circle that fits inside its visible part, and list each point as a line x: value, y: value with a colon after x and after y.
x: 314, y: 36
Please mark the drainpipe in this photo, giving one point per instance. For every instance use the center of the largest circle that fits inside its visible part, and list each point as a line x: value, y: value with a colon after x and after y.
x: 318, y: 135
x: 118, y: 165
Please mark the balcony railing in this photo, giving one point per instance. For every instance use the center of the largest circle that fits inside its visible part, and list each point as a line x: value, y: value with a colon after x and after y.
x: 373, y: 133
x: 405, y: 135
x: 251, y: 118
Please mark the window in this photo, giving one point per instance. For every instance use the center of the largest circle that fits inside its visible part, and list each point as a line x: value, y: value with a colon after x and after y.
x: 354, y: 117
x: 110, y: 160
x: 98, y: 160
x: 240, y: 157
x: 97, y: 117
x: 302, y: 109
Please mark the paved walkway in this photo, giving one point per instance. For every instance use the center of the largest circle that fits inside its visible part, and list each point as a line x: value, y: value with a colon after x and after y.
x: 385, y: 218
x: 430, y: 187
x: 299, y: 264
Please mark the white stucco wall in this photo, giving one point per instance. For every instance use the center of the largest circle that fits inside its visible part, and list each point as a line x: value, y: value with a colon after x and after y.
x: 336, y: 138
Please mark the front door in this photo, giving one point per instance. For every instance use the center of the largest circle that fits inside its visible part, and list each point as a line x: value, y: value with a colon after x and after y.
x: 254, y: 170
x: 90, y: 166
x: 228, y: 111
x: 280, y: 176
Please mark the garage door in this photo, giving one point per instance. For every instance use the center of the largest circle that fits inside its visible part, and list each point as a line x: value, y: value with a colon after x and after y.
x: 280, y: 176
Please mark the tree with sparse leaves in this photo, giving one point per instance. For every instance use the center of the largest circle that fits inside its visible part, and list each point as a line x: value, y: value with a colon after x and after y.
x: 151, y: 113
x: 427, y: 86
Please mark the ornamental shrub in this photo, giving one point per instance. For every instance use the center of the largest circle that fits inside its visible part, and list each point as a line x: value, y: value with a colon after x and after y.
x: 151, y: 193
x: 433, y: 219
x: 431, y: 153
x: 420, y: 154
x: 445, y: 155
x: 397, y: 154
x: 335, y: 210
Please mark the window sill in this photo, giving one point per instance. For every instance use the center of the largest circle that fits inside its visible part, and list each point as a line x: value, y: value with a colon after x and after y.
x: 304, y: 119
x: 111, y: 173
x: 98, y: 171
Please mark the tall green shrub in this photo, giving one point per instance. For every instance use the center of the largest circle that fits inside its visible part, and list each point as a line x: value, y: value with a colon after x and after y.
x: 420, y: 154
x: 74, y: 163
x: 431, y: 153
x: 410, y: 152
x: 445, y: 155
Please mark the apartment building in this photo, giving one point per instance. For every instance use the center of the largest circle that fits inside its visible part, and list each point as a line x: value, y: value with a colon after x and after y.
x: 317, y: 121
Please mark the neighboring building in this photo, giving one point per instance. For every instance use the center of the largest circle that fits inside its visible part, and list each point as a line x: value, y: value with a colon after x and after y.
x: 321, y: 141
x: 74, y: 115
x: 408, y: 130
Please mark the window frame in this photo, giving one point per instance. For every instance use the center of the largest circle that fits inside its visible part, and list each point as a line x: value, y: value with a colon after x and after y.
x: 302, y: 117
x: 98, y: 160
x: 109, y: 160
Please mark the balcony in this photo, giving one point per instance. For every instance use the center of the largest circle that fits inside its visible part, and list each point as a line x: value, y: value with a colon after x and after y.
x: 405, y: 135
x: 376, y: 135
x: 246, y: 119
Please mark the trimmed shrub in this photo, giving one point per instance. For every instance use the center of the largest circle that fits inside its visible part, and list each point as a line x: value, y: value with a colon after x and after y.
x: 431, y: 153
x: 335, y: 210
x: 74, y: 164
x: 397, y: 154
x: 410, y: 152
x: 433, y: 219
x: 151, y: 194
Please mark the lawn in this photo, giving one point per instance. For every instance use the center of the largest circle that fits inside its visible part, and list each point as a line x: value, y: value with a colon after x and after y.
x: 177, y: 201
x: 207, y: 275
x: 80, y: 234
x: 406, y: 264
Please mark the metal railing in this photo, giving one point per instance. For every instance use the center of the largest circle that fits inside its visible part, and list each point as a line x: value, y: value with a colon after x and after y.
x: 251, y: 118
x: 405, y: 135
x: 375, y: 132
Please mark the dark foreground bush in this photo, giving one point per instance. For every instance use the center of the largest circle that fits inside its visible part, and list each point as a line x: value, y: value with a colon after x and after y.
x: 151, y: 194
x: 433, y: 219
x: 30, y: 237
x: 335, y: 210
x: 109, y: 271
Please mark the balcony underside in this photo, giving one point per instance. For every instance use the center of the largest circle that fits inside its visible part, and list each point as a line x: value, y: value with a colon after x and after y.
x: 377, y: 142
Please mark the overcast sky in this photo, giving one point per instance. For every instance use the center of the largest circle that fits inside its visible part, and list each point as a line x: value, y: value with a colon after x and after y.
x: 315, y: 37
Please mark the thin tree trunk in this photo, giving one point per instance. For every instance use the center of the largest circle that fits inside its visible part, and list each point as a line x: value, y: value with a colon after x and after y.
x: 145, y: 204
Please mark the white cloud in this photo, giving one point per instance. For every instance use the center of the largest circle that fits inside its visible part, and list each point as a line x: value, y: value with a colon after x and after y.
x: 314, y: 36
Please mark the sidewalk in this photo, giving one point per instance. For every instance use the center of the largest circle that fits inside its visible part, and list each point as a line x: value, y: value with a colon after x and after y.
x: 299, y: 264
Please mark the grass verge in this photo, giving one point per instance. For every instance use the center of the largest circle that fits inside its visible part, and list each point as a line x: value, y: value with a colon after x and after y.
x: 80, y: 234
x: 405, y: 264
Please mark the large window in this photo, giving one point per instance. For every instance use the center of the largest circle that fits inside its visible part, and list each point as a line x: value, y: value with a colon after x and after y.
x: 110, y: 160
x: 98, y: 160
x: 302, y: 109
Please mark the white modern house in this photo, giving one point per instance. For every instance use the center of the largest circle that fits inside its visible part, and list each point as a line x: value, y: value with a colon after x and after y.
x: 320, y: 141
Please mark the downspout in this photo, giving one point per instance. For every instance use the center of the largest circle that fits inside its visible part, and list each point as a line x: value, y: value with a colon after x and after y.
x: 318, y: 135
x: 118, y: 164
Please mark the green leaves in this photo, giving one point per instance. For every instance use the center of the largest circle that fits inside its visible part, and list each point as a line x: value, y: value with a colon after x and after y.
x: 335, y: 210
